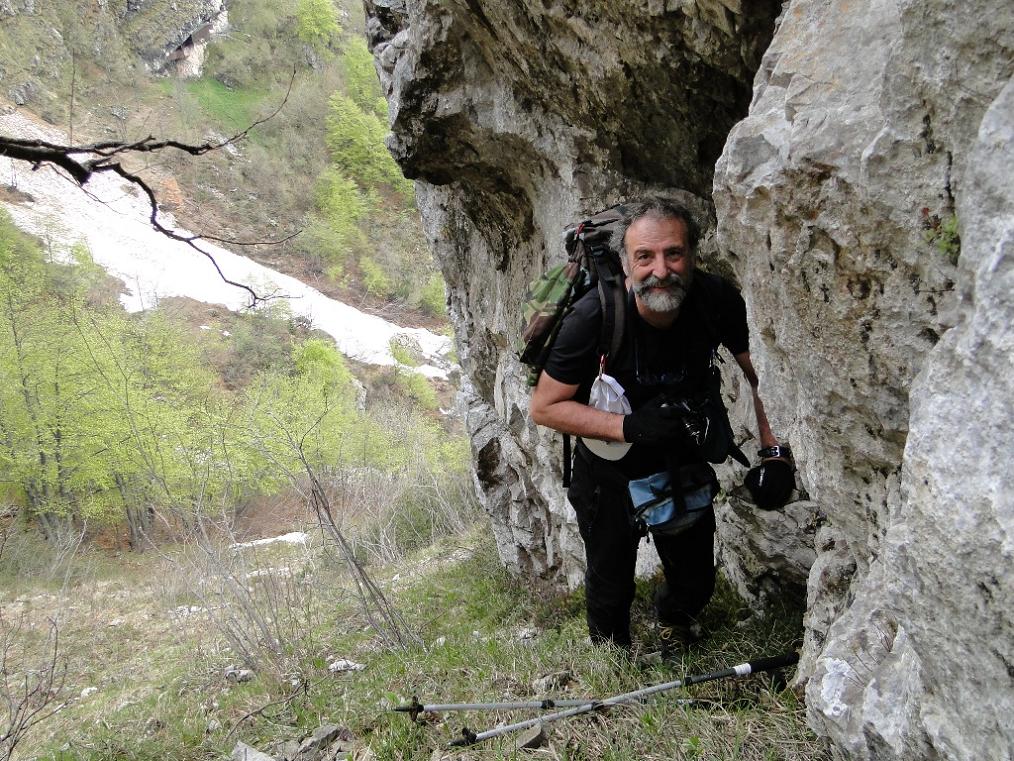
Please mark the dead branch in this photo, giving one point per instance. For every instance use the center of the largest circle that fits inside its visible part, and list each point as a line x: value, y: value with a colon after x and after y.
x: 381, y: 615
x: 29, y: 697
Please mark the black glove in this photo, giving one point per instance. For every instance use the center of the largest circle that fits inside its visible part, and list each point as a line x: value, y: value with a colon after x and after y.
x: 657, y: 422
x: 771, y: 484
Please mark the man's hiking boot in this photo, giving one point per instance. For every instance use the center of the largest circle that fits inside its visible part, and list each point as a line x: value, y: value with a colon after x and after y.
x: 674, y: 638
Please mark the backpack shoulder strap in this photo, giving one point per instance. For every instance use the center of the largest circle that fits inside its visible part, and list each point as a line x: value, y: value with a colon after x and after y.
x: 613, y: 301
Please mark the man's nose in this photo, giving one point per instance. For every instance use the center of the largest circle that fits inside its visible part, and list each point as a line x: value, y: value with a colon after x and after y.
x: 659, y: 267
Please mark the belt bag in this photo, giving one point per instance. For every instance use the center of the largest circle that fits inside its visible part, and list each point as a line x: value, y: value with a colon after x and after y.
x: 658, y: 510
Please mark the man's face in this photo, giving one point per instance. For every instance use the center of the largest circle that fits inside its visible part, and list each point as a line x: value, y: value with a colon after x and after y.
x: 660, y: 262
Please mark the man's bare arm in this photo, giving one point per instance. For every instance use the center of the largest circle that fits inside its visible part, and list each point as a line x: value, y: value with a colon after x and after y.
x: 767, y: 439
x: 553, y: 406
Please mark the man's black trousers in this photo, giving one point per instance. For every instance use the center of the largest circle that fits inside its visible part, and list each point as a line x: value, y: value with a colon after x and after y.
x: 602, y: 505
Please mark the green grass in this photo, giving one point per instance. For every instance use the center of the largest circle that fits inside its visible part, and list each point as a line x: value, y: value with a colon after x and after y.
x: 468, y: 613
x: 232, y: 109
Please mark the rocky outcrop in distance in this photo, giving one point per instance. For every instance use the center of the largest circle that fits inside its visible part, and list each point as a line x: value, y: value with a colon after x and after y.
x: 854, y: 161
x: 38, y: 40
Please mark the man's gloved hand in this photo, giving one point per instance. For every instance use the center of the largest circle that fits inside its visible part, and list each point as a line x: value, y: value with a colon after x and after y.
x: 771, y: 483
x: 656, y: 422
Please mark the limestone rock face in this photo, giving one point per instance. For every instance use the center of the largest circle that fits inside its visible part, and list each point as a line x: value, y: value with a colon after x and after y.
x: 516, y: 118
x: 157, y: 29
x: 838, y: 200
x: 863, y: 199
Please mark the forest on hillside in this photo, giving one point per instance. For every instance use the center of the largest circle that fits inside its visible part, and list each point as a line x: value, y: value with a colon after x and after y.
x: 116, y: 418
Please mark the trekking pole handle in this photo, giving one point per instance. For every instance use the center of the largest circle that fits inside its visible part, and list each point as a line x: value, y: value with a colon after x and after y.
x: 767, y: 664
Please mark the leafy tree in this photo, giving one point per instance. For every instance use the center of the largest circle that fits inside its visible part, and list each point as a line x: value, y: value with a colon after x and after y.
x: 316, y: 23
x: 50, y: 395
x: 334, y: 229
x: 356, y: 141
x: 361, y: 83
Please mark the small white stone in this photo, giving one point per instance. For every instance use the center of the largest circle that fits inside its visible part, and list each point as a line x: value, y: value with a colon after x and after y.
x: 344, y: 664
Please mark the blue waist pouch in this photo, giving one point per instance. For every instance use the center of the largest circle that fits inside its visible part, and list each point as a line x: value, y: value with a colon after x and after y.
x: 656, y: 509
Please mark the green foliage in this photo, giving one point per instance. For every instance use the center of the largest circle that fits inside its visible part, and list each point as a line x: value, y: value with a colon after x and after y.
x: 375, y: 280
x: 320, y: 359
x: 264, y: 31
x: 261, y: 342
x: 361, y: 83
x: 432, y: 299
x: 98, y: 409
x: 356, y: 140
x: 405, y: 350
x: 316, y: 23
x: 333, y: 231
x: 418, y: 388
x: 944, y: 234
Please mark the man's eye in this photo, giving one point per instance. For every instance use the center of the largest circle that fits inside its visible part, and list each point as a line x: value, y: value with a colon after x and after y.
x: 674, y: 254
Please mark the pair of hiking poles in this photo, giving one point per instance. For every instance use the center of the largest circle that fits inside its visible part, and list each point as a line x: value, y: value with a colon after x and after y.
x: 575, y: 707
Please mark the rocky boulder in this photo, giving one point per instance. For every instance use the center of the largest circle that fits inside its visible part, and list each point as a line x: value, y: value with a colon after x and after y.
x: 845, y: 203
x: 163, y: 32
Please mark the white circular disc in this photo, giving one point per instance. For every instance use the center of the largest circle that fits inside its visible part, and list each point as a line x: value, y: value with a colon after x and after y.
x: 607, y: 450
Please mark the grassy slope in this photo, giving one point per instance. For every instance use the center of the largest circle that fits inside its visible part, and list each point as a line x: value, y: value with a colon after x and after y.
x: 161, y: 684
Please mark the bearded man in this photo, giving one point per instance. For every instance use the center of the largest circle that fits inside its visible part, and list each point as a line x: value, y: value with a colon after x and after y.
x: 675, y: 319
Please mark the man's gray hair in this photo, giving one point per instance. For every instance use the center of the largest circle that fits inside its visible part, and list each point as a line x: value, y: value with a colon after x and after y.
x: 657, y: 207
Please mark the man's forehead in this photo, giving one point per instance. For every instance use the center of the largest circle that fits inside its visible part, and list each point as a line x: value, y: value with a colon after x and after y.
x: 651, y: 230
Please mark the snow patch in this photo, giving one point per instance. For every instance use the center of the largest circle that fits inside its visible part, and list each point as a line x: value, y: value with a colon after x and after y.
x: 293, y: 537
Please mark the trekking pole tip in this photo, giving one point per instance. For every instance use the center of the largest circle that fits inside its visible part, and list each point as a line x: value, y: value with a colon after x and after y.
x: 468, y: 737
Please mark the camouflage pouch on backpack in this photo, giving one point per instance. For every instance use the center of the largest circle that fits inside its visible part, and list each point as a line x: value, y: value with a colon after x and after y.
x: 590, y: 262
x: 550, y: 298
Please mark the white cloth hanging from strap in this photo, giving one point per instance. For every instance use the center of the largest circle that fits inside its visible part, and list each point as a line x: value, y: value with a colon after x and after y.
x: 607, y: 394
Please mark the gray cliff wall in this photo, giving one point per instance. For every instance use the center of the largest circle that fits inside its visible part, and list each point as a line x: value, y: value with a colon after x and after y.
x: 862, y: 144
x: 876, y: 132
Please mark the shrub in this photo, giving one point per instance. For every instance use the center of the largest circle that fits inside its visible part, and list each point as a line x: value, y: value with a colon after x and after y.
x: 406, y: 350
x: 433, y: 298
x: 375, y: 280
x: 356, y: 141
x: 334, y: 230
x: 418, y: 388
x: 316, y: 24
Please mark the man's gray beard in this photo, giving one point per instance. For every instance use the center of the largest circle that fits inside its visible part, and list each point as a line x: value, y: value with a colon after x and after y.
x: 669, y: 300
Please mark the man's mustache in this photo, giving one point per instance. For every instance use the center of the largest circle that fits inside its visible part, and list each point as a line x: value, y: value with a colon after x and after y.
x: 669, y: 281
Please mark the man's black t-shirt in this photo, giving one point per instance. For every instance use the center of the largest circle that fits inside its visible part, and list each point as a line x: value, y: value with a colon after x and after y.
x: 650, y: 361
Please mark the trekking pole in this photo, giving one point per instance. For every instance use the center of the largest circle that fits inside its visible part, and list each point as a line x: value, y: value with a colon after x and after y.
x: 743, y: 669
x: 415, y: 708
